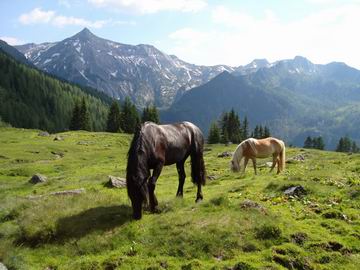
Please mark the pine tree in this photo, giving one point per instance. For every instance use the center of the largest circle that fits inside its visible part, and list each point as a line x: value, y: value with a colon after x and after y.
x: 84, y: 116
x: 75, y: 123
x: 308, y: 143
x: 245, y: 129
x: 256, y: 132
x: 129, y: 117
x: 224, y: 137
x: 114, y: 118
x: 214, y: 134
x: 150, y: 113
x: 319, y: 143
x: 266, y: 132
x: 354, y: 147
x: 261, y: 132
x: 340, y: 145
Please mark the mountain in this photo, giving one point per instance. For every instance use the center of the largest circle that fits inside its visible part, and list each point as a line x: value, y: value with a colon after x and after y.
x: 295, y: 97
x: 10, y: 50
x: 142, y: 72
x: 29, y: 98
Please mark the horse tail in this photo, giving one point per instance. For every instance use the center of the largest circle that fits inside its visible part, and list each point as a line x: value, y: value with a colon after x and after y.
x: 282, y: 157
x: 198, y: 172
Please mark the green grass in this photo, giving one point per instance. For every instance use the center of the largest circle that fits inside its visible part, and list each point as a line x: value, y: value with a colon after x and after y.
x: 94, y: 230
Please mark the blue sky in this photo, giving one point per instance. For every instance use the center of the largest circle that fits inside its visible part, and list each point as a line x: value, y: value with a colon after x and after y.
x: 198, y: 31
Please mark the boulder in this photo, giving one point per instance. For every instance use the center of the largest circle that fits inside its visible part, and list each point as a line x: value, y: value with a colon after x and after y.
x: 225, y: 154
x: 116, y: 182
x: 248, y: 204
x: 38, y: 178
x: 69, y: 192
x: 297, y: 191
x: 58, y: 138
x: 2, y: 266
x: 43, y: 134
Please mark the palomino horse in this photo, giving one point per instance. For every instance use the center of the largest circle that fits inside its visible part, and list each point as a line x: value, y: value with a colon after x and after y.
x: 154, y: 146
x: 254, y: 148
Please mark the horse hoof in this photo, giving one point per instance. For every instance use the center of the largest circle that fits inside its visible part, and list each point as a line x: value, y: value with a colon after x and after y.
x: 198, y: 200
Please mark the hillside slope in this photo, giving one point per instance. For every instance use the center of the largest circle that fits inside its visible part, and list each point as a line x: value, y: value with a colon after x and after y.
x: 294, y: 97
x: 244, y: 222
x: 32, y: 99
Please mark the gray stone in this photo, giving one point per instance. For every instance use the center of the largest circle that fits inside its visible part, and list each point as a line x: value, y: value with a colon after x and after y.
x: 69, y: 192
x: 297, y: 191
x: 43, y: 134
x: 38, y: 178
x: 248, y: 204
x: 116, y: 182
x: 225, y: 154
x: 58, y: 138
x: 2, y: 266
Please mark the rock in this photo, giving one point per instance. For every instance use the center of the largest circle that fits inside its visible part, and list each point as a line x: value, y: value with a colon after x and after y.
x: 211, y: 177
x: 69, y: 192
x: 225, y: 154
x: 299, y: 157
x: 82, y: 143
x: 247, y: 204
x: 297, y: 191
x: 269, y: 164
x: 116, y: 182
x: 2, y: 266
x: 58, y: 138
x: 299, y: 238
x: 57, y: 154
x: 38, y: 178
x: 43, y: 134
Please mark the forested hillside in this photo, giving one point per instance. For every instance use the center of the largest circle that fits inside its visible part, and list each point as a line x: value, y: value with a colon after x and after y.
x: 32, y: 99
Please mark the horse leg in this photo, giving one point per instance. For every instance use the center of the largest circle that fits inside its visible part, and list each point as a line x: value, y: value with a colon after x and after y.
x: 182, y: 176
x: 274, y: 162
x: 246, y: 160
x: 278, y: 165
x: 199, y: 196
x: 151, y: 186
x: 254, y: 164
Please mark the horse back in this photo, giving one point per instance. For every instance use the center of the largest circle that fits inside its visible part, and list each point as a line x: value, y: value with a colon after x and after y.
x: 170, y: 143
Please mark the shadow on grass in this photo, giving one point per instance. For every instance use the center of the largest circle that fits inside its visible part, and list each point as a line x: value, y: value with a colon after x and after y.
x: 94, y: 219
x: 98, y: 219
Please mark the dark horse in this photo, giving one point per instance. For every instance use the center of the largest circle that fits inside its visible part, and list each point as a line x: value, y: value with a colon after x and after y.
x: 155, y: 146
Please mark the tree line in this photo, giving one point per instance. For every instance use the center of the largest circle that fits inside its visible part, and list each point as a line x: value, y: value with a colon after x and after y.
x: 345, y: 144
x: 121, y: 117
x: 30, y: 98
x: 229, y: 128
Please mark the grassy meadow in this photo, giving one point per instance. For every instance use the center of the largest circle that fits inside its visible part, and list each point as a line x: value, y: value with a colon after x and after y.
x: 245, y: 222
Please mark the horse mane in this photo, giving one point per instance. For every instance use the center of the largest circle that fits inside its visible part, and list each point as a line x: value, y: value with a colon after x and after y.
x: 135, y: 146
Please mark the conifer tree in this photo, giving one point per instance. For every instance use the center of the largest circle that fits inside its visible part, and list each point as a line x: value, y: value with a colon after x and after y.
x: 129, y: 117
x: 245, y: 129
x: 261, y: 132
x: 308, y: 142
x: 214, y: 134
x: 150, y: 113
x: 75, y: 123
x: 266, y: 132
x: 256, y: 132
x: 114, y: 118
x: 354, y: 147
x: 84, y: 116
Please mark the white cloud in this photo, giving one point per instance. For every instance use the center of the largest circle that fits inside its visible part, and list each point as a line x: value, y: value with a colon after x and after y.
x: 36, y: 16
x: 237, y: 37
x: 152, y: 6
x: 12, y: 40
x: 39, y: 16
x: 64, y: 3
